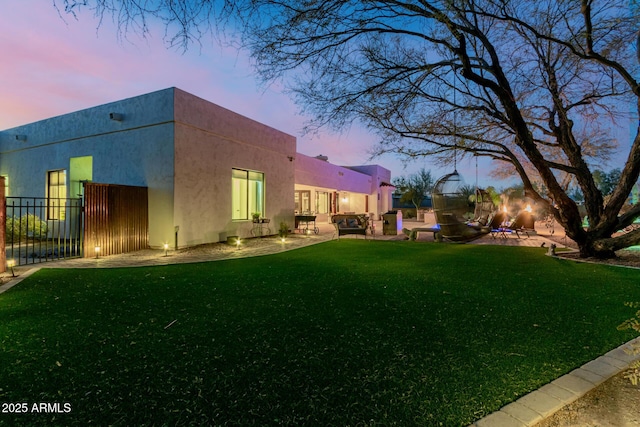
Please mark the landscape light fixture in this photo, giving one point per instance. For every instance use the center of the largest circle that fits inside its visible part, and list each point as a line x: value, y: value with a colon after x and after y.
x: 116, y: 116
x: 21, y: 137
x: 11, y: 263
x: 97, y: 249
x: 166, y: 249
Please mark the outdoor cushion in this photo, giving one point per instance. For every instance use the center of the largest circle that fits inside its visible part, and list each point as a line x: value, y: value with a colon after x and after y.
x: 353, y: 223
x: 342, y: 223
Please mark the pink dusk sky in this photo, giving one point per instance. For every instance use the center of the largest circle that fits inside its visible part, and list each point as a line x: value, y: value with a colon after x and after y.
x: 53, y: 65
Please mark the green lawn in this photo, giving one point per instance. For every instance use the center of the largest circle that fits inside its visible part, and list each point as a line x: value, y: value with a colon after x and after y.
x: 348, y: 332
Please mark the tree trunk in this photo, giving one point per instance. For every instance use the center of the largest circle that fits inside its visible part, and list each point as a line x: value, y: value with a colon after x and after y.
x: 600, y: 245
x: 611, y: 244
x: 588, y: 250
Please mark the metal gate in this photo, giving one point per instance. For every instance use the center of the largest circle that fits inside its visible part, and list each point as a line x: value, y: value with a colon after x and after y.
x: 116, y: 218
x: 42, y: 229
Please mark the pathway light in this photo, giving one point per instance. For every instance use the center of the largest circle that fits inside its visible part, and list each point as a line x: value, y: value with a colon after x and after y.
x: 11, y: 263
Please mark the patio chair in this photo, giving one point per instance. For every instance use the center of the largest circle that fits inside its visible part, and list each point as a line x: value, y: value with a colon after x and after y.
x: 498, y: 225
x: 484, y: 208
x: 523, y: 223
x: 450, y: 206
x: 456, y: 231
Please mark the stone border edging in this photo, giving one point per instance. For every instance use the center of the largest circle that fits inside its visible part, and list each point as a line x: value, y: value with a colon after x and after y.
x: 15, y: 280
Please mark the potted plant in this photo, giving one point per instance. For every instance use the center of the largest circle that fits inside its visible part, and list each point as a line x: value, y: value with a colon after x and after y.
x: 256, y: 216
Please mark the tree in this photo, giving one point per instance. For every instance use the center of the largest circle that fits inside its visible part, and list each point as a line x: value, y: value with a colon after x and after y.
x: 606, y: 182
x: 576, y: 194
x: 415, y: 187
x: 494, y: 194
x: 532, y: 85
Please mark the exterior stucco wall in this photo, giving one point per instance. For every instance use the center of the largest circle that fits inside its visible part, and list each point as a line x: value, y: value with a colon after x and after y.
x: 183, y: 149
x: 381, y: 201
x: 210, y: 141
x: 320, y: 173
x: 138, y: 150
x: 353, y: 184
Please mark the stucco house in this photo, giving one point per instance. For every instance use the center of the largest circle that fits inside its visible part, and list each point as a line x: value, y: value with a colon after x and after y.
x: 207, y: 169
x: 324, y: 188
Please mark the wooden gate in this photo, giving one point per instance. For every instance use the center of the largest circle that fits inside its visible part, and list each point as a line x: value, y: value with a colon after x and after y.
x: 116, y: 219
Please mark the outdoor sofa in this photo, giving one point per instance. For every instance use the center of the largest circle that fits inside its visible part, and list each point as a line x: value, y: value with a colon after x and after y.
x: 350, y: 224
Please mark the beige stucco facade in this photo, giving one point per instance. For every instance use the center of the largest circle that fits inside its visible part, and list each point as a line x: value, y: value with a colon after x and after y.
x: 209, y: 142
x: 357, y: 189
x: 181, y: 147
x: 184, y: 150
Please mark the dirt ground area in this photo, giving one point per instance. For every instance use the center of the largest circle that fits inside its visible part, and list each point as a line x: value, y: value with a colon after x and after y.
x: 615, y: 403
x: 629, y: 258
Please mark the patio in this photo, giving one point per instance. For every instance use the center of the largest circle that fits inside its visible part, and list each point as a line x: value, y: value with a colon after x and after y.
x: 262, y: 246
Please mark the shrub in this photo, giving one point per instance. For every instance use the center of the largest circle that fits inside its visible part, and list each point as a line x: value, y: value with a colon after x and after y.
x: 27, y: 226
x: 284, y: 229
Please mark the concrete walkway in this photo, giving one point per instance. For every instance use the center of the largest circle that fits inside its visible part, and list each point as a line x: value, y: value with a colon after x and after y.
x: 526, y: 411
x: 255, y: 247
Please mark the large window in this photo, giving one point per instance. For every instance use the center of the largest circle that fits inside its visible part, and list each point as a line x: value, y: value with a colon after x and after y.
x: 247, y: 194
x: 322, y: 202
x: 56, y: 194
x: 303, y: 201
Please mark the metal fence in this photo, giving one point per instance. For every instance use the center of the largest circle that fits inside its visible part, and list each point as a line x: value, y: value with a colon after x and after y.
x: 42, y: 229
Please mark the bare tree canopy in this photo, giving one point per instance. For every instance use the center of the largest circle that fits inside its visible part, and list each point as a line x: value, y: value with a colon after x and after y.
x: 534, y: 85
